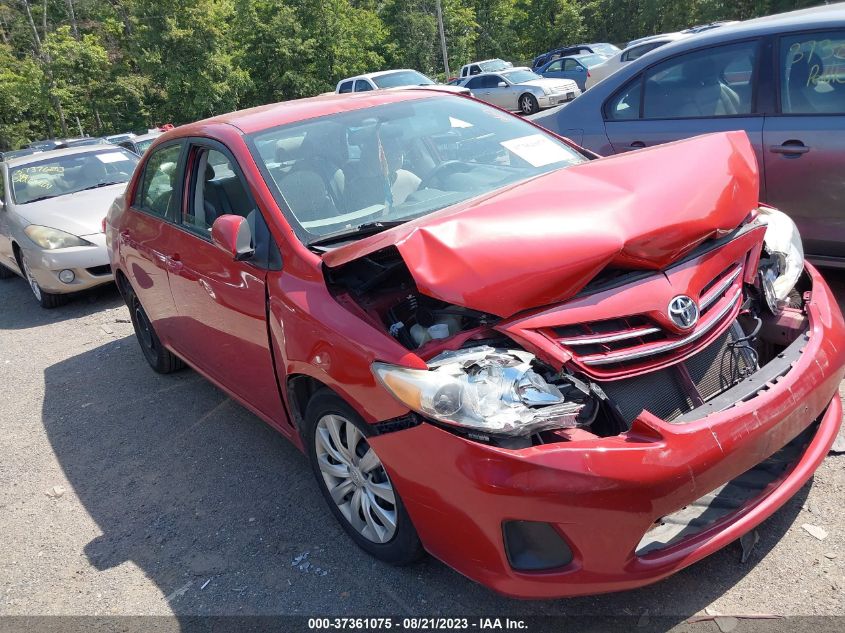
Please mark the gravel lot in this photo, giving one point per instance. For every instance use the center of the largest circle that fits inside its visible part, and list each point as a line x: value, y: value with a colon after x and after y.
x: 125, y: 492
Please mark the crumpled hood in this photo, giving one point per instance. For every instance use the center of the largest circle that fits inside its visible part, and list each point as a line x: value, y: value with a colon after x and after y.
x: 79, y: 213
x: 541, y: 241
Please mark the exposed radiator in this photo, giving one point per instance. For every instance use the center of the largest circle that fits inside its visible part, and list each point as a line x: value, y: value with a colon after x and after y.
x: 669, y: 392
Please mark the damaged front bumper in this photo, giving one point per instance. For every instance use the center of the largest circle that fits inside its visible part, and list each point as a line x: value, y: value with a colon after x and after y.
x: 607, y: 497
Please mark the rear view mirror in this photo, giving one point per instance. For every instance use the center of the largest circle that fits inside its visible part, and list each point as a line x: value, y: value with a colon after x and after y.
x: 502, y: 84
x: 232, y: 235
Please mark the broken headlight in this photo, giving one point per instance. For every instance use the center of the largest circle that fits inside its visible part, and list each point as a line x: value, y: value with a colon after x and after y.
x: 782, y: 244
x: 482, y: 388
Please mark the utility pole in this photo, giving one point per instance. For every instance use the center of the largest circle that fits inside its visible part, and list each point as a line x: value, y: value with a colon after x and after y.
x: 442, y: 38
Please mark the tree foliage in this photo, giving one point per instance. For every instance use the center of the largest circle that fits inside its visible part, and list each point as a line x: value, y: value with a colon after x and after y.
x: 106, y: 66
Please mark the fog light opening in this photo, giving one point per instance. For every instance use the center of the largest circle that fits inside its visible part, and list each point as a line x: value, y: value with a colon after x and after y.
x: 535, y: 546
x: 67, y: 276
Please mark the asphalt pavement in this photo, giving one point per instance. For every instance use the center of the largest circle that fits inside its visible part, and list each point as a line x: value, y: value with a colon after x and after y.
x: 126, y: 492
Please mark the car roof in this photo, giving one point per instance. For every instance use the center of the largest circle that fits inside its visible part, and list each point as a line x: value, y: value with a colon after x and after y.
x: 825, y: 16
x: 484, y: 61
x: 274, y: 114
x: 67, y: 151
x: 145, y: 137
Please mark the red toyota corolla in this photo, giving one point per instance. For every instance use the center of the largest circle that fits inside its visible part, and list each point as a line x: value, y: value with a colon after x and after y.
x: 558, y: 374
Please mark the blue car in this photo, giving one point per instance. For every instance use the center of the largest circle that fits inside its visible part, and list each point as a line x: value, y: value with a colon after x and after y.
x: 576, y: 67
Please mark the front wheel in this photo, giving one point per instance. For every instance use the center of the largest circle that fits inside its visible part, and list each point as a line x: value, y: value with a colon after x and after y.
x: 355, y: 483
x: 528, y: 104
x: 46, y: 300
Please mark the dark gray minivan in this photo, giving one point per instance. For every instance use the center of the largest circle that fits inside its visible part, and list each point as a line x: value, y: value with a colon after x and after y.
x: 780, y: 78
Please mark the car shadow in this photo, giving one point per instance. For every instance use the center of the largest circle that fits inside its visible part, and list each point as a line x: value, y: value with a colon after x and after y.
x: 17, y: 292
x: 222, y: 513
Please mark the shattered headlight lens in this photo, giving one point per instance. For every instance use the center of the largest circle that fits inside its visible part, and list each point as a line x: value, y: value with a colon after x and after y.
x: 482, y: 388
x: 51, y: 239
x: 783, y: 244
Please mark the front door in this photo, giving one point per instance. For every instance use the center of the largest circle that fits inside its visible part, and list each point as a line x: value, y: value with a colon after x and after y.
x: 804, y: 144
x: 221, y: 303
x: 709, y: 90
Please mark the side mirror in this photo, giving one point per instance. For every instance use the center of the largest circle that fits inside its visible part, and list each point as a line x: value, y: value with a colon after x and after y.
x: 580, y: 69
x: 232, y: 235
x: 502, y: 84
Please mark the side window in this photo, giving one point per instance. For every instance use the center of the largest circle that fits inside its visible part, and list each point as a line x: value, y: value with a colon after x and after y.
x: 362, y: 86
x: 639, y: 51
x: 713, y: 82
x: 216, y: 189
x: 156, y: 193
x: 474, y: 83
x: 474, y: 70
x: 345, y: 87
x: 570, y: 64
x: 555, y: 66
x: 492, y: 81
x: 625, y: 104
x: 812, y: 73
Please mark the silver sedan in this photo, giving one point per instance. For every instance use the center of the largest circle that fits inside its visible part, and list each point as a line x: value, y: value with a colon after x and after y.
x: 522, y: 90
x: 52, y: 206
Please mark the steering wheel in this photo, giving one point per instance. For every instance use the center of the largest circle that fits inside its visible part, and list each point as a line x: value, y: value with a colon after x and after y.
x: 448, y: 167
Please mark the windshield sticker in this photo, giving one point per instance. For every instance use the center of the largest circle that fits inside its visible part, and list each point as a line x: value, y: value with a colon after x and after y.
x: 537, y: 150
x: 111, y: 157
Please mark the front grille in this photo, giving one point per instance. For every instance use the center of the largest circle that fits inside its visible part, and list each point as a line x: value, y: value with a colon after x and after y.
x: 669, y: 392
x: 99, y: 271
x: 635, y: 341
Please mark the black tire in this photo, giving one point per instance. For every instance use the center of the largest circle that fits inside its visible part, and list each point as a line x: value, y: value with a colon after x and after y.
x: 160, y: 358
x: 528, y: 104
x: 404, y: 547
x: 5, y: 273
x: 46, y: 300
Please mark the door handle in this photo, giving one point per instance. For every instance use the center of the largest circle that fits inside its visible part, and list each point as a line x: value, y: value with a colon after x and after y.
x: 635, y: 145
x: 174, y: 263
x: 790, y: 147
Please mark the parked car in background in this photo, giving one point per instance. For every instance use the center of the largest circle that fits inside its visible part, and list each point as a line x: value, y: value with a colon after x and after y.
x: 17, y: 153
x: 604, y: 49
x: 485, y: 66
x: 781, y: 79
x: 52, y: 208
x: 632, y: 52
x: 117, y: 138
x: 386, y: 79
x: 140, y: 143
x: 558, y: 375
x: 578, y: 68
x: 519, y: 89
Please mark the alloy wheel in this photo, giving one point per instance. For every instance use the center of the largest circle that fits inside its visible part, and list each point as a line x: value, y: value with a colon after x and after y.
x: 526, y: 104
x: 33, y: 284
x: 355, y: 478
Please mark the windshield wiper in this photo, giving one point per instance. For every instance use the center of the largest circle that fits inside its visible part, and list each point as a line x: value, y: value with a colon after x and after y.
x: 367, y: 228
x: 101, y: 184
x: 39, y: 199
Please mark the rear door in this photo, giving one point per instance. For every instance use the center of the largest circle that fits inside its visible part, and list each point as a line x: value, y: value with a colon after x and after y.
x: 804, y: 141
x: 221, y: 303
x: 702, y: 91
x: 147, y: 230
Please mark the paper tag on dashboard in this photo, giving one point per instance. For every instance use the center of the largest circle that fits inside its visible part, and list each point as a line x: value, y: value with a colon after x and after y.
x: 111, y: 157
x: 538, y: 150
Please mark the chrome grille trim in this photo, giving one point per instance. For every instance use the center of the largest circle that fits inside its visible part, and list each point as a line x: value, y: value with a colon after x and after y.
x: 620, y: 357
x: 716, y: 292
x: 588, y: 339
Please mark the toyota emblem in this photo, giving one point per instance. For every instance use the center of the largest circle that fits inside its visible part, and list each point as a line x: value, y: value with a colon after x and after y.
x: 683, y: 311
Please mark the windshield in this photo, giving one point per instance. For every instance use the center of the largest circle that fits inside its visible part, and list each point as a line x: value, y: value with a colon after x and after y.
x: 605, y: 49
x: 521, y: 76
x: 143, y: 146
x: 591, y: 60
x: 399, y: 161
x: 493, y: 65
x: 402, y: 78
x: 62, y: 175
